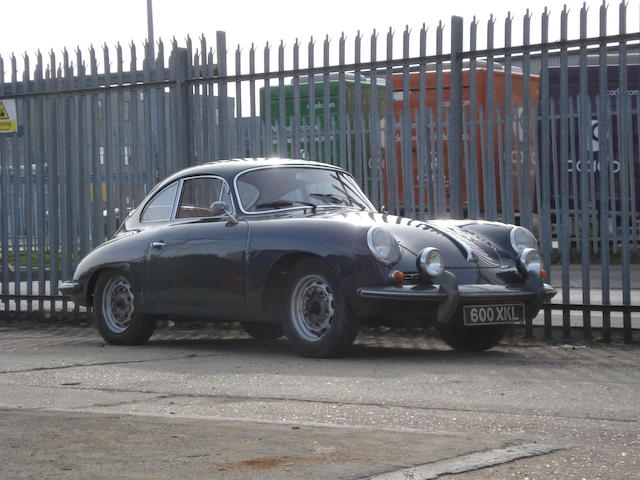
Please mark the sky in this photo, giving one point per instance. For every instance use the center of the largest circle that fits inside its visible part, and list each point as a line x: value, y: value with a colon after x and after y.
x: 29, y: 25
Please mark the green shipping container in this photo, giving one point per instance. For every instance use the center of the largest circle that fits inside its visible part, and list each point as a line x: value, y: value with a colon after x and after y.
x: 320, y: 109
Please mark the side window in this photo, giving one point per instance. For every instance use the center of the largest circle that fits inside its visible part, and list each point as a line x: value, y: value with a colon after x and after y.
x: 249, y: 194
x: 160, y: 207
x: 199, y: 194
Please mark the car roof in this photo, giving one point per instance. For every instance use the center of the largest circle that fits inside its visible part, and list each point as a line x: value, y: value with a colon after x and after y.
x: 230, y: 168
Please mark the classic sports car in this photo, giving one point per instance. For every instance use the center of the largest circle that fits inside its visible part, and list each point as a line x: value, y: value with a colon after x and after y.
x: 295, y: 248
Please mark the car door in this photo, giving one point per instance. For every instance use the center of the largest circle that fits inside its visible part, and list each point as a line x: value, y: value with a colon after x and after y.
x: 196, y: 261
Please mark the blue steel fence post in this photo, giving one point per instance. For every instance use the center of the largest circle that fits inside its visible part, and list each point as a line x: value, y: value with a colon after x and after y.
x: 295, y: 121
x: 326, y: 100
x: 51, y: 201
x: 440, y: 179
x: 507, y: 203
x: 359, y: 168
x: 473, y: 184
x: 282, y: 120
x: 14, y: 209
x: 342, y: 113
x: 391, y: 158
x: 240, y: 143
x: 182, y: 127
x: 312, y: 137
x: 544, y: 159
x: 4, y: 227
x: 563, y: 199
x: 455, y: 118
x: 584, y: 109
x: 221, y: 51
x: 265, y: 108
x: 405, y: 180
x: 624, y: 133
x: 488, y: 160
x: 205, y: 103
x: 376, y: 161
x: 68, y: 237
x: 29, y: 193
x: 604, y: 158
x: 525, y: 194
x: 254, y: 146
x: 424, y: 166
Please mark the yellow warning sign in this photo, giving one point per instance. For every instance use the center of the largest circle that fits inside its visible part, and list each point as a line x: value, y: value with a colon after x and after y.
x: 8, y: 116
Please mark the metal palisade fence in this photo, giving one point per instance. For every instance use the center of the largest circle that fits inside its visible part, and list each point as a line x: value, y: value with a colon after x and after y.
x: 546, y: 136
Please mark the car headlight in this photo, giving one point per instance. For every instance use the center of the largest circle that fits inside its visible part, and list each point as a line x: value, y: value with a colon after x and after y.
x: 522, y: 238
x: 383, y: 245
x: 530, y: 261
x: 430, y: 261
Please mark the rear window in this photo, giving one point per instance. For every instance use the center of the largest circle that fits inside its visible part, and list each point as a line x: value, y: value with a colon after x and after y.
x: 160, y: 207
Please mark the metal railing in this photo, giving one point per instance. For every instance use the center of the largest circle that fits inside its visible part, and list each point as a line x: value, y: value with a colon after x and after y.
x: 554, y: 148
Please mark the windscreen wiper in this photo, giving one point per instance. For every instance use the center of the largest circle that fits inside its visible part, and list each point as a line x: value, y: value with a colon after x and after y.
x: 337, y: 200
x: 287, y: 203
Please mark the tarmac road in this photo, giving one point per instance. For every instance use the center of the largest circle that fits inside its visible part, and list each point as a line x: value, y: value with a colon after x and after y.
x: 207, y: 403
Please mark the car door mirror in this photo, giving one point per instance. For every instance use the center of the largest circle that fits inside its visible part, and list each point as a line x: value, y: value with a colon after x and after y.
x: 221, y: 208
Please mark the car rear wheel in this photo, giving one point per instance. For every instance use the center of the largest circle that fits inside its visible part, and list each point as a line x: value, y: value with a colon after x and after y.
x: 114, y: 305
x: 474, y: 338
x: 317, y: 322
x: 262, y: 330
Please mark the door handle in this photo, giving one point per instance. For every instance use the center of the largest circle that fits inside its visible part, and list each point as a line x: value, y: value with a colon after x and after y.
x: 158, y: 245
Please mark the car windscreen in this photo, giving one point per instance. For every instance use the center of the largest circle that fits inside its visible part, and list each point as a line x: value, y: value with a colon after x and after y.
x: 275, y: 188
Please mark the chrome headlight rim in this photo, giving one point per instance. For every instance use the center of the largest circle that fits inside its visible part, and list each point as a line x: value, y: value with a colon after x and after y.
x: 530, y: 241
x: 530, y: 261
x: 393, y: 255
x: 426, y: 264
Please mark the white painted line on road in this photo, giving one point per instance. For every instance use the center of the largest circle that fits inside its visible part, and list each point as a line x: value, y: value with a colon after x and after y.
x: 466, y: 463
x: 266, y: 421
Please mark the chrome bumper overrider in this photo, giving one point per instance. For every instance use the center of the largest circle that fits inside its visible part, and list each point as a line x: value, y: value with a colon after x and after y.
x: 69, y: 287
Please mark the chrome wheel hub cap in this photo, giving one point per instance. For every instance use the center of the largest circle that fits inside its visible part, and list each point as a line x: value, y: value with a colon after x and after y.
x: 117, y: 304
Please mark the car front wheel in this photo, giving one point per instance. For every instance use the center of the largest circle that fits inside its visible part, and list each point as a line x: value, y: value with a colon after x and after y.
x: 317, y: 321
x: 114, y: 305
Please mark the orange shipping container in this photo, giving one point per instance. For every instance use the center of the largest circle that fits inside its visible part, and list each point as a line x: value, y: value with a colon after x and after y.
x: 482, y: 107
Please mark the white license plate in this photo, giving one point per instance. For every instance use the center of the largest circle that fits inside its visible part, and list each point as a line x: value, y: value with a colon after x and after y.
x: 493, y: 314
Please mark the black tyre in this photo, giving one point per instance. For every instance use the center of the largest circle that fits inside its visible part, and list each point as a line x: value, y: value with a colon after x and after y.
x: 474, y: 338
x: 317, y: 319
x: 114, y: 307
x: 262, y: 330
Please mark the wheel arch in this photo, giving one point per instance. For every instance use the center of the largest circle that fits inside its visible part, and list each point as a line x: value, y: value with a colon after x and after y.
x: 272, y: 294
x: 95, y: 275
x: 91, y: 284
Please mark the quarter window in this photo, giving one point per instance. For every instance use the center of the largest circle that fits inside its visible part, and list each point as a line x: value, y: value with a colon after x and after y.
x: 199, y: 195
x: 159, y: 209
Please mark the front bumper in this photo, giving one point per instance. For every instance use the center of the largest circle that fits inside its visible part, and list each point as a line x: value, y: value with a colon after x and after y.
x: 447, y: 296
x: 72, y: 289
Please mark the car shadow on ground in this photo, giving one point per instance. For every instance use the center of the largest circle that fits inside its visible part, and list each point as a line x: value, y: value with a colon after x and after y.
x: 396, y: 349
x: 210, y: 340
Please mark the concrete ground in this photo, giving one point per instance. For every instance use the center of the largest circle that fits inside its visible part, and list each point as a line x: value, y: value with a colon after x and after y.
x: 207, y: 402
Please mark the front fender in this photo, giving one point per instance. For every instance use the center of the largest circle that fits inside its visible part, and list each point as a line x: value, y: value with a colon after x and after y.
x: 343, y: 247
x: 125, y: 254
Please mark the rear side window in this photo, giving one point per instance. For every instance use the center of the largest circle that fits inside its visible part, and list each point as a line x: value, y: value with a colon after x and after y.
x: 160, y: 208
